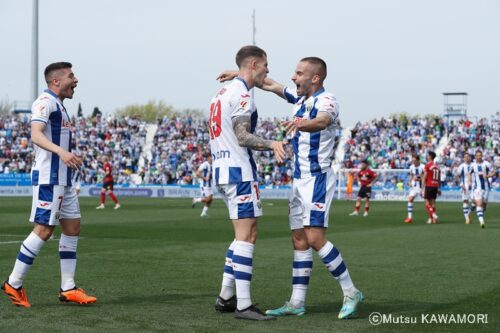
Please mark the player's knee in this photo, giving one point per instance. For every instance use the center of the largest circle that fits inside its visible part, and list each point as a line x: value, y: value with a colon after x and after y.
x: 43, y: 231
x: 299, y: 240
x: 70, y: 227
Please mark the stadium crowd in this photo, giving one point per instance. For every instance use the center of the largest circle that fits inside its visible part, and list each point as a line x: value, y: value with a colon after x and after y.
x: 180, y: 145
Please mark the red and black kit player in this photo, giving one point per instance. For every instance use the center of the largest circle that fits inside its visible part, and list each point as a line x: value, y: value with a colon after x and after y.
x: 366, y: 177
x: 107, y: 184
x: 430, y: 186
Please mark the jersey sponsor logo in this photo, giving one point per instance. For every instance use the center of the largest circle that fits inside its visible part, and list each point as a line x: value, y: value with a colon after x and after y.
x: 221, y: 154
x: 243, y: 103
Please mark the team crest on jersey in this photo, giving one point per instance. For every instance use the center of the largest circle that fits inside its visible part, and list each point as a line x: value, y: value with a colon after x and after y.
x: 243, y: 103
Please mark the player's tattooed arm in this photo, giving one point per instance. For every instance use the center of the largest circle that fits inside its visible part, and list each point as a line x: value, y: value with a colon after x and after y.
x: 241, y: 126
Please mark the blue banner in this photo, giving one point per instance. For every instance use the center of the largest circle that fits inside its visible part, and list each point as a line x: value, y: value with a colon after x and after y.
x: 15, y: 179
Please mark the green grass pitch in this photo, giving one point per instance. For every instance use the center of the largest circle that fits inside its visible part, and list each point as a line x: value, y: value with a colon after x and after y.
x: 155, y: 265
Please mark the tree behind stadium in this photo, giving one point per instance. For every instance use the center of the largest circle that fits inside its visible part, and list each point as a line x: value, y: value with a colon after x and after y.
x: 154, y: 110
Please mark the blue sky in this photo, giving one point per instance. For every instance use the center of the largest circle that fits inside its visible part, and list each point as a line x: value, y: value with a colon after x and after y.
x: 384, y: 56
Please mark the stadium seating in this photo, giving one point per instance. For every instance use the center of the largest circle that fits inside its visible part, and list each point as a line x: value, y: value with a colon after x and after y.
x: 180, y: 143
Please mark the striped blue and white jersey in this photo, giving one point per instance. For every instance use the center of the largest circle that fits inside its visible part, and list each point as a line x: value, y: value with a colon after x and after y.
x: 48, y: 168
x: 313, y: 152
x: 479, y: 172
x: 416, y: 172
x: 232, y: 164
x: 463, y: 171
x: 206, y: 171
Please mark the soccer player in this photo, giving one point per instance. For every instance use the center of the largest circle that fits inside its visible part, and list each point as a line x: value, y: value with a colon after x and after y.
x: 54, y: 199
x: 478, y: 179
x: 107, y: 185
x: 233, y: 117
x: 366, y: 177
x: 313, y: 130
x: 463, y: 172
x: 416, y: 172
x: 204, y: 172
x: 430, y: 186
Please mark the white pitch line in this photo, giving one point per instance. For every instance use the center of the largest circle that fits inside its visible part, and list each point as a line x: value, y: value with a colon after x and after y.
x: 11, y: 242
x: 12, y: 235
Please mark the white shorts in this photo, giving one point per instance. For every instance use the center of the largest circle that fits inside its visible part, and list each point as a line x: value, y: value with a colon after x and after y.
x: 206, y: 191
x: 482, y: 195
x: 242, y: 200
x: 310, y: 201
x: 467, y: 195
x: 54, y: 202
x: 415, y: 192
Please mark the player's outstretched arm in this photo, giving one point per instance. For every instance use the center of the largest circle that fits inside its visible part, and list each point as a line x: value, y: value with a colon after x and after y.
x: 273, y: 86
x: 269, y: 84
x: 227, y: 76
x: 317, y: 124
x: 38, y: 138
x: 241, y: 126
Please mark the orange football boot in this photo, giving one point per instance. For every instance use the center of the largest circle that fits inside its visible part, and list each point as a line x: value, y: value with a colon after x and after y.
x: 408, y: 220
x: 76, y: 295
x: 17, y: 296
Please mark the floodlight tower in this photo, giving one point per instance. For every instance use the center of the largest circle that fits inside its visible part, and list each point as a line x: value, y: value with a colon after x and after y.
x: 455, y: 106
x: 34, y: 52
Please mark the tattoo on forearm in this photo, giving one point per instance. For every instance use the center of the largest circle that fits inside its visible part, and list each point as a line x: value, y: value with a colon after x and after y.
x: 241, y: 126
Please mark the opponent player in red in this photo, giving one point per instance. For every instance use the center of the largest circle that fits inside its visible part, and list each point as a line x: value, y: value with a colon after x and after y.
x: 107, y: 185
x: 366, y: 177
x: 430, y: 186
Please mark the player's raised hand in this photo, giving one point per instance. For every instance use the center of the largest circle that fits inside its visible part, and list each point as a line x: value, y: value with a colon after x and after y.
x: 227, y: 76
x: 70, y: 159
x: 279, y: 151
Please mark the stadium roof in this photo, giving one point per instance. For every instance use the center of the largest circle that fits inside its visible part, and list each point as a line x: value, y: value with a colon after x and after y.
x: 455, y: 93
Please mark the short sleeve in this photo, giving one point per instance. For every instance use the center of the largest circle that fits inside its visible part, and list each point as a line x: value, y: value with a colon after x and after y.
x: 41, y: 109
x: 328, y: 104
x: 488, y: 167
x: 290, y: 95
x: 242, y: 105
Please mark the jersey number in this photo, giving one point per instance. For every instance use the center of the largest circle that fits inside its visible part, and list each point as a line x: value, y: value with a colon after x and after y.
x: 214, y: 124
x: 435, y: 175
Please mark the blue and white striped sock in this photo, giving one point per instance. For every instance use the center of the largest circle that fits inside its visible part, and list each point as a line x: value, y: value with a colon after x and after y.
x: 302, y: 269
x: 242, y: 268
x: 67, y: 254
x: 27, y: 254
x: 227, y: 289
x: 466, y: 210
x: 480, y: 214
x: 333, y: 261
x: 410, y: 209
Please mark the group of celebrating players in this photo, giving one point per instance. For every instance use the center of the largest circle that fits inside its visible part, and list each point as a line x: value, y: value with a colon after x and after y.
x: 233, y: 118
